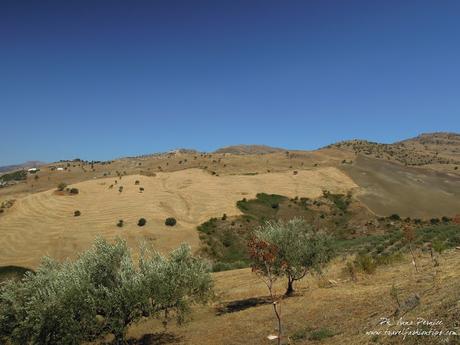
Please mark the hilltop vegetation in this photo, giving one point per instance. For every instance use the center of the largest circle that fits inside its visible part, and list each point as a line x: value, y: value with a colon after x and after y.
x: 427, y: 149
x: 249, y: 149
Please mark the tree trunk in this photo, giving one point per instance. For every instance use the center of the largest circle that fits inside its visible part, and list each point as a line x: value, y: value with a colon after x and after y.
x: 119, y: 338
x: 413, y: 258
x: 290, y: 289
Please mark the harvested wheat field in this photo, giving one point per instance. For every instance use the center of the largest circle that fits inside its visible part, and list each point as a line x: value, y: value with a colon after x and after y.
x: 44, y: 223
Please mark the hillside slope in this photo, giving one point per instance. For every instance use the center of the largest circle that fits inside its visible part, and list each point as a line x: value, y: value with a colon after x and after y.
x: 390, y: 188
x: 44, y: 223
x: 194, y: 186
x: 321, y: 312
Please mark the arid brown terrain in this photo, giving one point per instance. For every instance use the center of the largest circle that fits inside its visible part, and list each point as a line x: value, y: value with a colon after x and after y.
x: 417, y: 178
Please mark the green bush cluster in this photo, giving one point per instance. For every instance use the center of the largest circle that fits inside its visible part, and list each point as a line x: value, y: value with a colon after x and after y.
x: 101, y: 293
x: 14, y: 176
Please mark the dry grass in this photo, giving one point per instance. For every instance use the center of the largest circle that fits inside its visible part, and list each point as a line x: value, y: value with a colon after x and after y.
x: 43, y: 223
x: 347, y: 309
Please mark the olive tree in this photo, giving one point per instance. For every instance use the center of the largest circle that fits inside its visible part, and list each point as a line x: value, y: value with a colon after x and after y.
x: 117, y: 287
x: 51, y: 306
x: 101, y: 292
x: 174, y: 283
x: 299, y: 248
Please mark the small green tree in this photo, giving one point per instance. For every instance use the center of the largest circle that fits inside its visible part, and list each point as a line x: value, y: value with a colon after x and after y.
x: 170, y: 221
x: 264, y: 256
x: 300, y: 249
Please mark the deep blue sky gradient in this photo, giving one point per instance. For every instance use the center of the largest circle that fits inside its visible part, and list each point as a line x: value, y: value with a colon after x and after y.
x: 103, y: 79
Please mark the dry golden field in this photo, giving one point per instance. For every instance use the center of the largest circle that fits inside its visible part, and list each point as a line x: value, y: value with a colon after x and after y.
x: 44, y: 224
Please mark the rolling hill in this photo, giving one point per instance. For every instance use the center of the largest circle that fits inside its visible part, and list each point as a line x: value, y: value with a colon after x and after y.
x: 193, y: 187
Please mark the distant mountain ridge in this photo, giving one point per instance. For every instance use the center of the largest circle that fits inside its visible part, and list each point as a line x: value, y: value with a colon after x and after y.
x: 249, y: 149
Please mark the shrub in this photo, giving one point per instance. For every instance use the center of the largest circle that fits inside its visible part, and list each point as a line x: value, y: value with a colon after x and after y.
x: 350, y: 270
x: 365, y: 263
x: 137, y: 182
x: 120, y: 189
x: 446, y: 219
x: 301, y: 334
x: 77, y: 213
x: 141, y: 222
x: 434, y: 221
x: 120, y: 223
x: 141, y: 189
x: 394, y: 216
x: 321, y: 334
x: 61, y: 186
x: 14, y: 176
x: 438, y: 246
x: 74, y: 191
x: 170, y: 221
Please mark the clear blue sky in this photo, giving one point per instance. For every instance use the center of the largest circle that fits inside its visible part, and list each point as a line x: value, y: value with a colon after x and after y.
x: 103, y: 79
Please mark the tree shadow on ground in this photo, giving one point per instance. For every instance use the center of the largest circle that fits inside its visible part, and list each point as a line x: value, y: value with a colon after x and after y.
x: 242, y: 304
x: 162, y: 338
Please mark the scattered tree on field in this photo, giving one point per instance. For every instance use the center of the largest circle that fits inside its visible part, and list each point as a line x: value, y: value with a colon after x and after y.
x: 170, y: 221
x: 301, y: 249
x: 287, y: 249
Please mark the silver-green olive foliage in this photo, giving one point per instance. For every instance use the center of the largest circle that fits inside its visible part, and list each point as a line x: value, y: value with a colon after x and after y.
x: 300, y: 248
x: 101, y: 292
